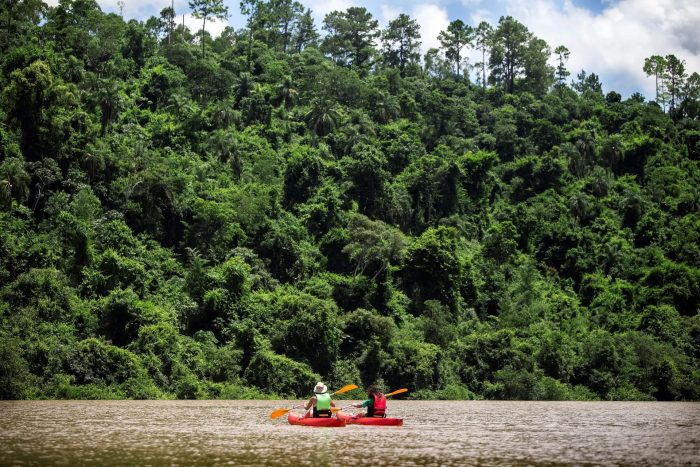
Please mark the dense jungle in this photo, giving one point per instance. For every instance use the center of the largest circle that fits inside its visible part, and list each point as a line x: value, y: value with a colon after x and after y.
x: 241, y: 216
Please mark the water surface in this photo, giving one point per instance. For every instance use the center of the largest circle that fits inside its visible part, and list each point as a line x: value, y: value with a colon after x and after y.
x: 435, y: 433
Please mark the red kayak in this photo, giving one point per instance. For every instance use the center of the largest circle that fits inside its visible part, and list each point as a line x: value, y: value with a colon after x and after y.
x: 374, y: 421
x: 299, y: 419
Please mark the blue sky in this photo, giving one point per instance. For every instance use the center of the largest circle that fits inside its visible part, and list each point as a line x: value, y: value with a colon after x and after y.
x: 607, y: 37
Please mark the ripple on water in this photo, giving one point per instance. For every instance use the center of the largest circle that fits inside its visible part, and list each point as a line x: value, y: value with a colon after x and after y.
x: 435, y: 433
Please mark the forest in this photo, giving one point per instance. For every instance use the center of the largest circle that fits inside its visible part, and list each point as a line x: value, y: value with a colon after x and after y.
x: 183, y: 216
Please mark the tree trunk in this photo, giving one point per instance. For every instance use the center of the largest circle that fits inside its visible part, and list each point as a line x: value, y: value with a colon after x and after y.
x: 203, y: 24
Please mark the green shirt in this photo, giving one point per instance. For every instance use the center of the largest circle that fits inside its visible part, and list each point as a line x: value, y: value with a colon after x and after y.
x: 323, y: 402
x: 368, y: 403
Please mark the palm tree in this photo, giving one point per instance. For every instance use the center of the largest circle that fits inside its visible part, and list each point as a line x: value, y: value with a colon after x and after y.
x: 386, y: 108
x: 578, y: 204
x: 613, y: 151
x: 286, y: 93
x: 14, y: 181
x: 92, y: 161
x: 323, y: 117
x: 587, y: 151
x: 5, y: 193
x: 223, y: 144
x: 226, y: 114
x: 600, y: 182
x: 180, y: 105
x: 245, y: 86
x: 110, y: 100
x: 573, y: 156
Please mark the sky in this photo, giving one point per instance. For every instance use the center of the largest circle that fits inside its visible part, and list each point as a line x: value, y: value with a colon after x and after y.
x: 608, y: 37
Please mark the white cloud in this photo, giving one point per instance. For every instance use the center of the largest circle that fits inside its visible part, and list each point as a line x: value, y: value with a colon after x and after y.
x: 320, y: 8
x: 213, y: 27
x: 388, y: 13
x: 615, y: 42
x: 432, y: 19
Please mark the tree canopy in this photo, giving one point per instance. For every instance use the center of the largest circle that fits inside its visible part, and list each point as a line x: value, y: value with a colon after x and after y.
x: 188, y: 216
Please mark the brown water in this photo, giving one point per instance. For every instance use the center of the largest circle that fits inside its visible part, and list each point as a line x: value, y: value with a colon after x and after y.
x: 435, y: 433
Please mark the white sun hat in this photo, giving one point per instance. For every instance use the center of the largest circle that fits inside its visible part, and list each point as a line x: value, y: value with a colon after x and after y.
x: 320, y: 388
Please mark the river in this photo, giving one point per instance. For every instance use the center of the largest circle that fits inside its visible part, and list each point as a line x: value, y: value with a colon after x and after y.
x: 240, y: 433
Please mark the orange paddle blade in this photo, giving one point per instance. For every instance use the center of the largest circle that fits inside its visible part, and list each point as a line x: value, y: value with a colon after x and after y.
x: 398, y: 391
x: 278, y: 413
x: 347, y: 388
x: 338, y: 409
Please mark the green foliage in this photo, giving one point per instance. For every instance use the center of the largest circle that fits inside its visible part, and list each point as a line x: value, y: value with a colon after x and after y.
x: 184, y: 216
x: 14, y: 370
x: 280, y: 375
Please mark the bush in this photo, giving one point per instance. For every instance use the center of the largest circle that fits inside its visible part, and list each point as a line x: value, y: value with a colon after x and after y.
x: 14, y: 370
x: 62, y: 387
x: 94, y: 361
x: 280, y: 375
x: 123, y: 314
x: 451, y: 392
x: 237, y: 391
x: 412, y: 364
x: 45, y: 292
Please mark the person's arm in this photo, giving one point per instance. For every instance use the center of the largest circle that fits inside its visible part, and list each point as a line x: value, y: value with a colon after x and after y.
x: 363, y: 404
x: 310, y: 403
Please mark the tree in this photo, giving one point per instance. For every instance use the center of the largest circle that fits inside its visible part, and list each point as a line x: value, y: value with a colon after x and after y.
x: 27, y: 96
x: 457, y: 36
x: 675, y: 72
x: 305, y: 33
x: 285, y: 14
x: 323, y: 116
x: 432, y: 270
x: 482, y: 36
x: 374, y: 246
x: 508, y: 48
x: 588, y: 84
x: 401, y: 40
x: 690, y: 105
x: 18, y: 19
x: 656, y: 65
x: 562, y: 54
x: 350, y: 38
x: 253, y: 9
x: 539, y: 75
x: 203, y: 9
x: 14, y: 181
x: 167, y: 16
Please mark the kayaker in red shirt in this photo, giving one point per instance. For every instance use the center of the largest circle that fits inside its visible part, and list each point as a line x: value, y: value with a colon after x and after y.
x: 375, y: 403
x: 320, y: 401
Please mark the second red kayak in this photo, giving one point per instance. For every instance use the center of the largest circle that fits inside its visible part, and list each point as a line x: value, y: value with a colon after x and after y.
x: 373, y: 421
x: 330, y: 422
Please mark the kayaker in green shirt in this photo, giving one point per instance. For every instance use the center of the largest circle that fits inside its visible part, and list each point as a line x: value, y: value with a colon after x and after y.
x: 320, y: 401
x: 375, y: 403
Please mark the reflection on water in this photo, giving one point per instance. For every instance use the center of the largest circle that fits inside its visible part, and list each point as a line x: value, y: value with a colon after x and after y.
x: 435, y: 433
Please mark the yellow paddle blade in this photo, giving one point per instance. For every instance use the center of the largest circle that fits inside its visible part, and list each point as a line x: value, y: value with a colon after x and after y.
x: 338, y: 409
x: 278, y: 413
x: 347, y: 388
x: 398, y: 391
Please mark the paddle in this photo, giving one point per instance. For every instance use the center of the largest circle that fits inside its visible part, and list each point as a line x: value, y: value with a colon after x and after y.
x: 279, y: 412
x: 393, y: 393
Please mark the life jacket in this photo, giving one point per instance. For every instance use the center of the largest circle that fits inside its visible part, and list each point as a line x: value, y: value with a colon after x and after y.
x: 378, y: 407
x: 322, y: 408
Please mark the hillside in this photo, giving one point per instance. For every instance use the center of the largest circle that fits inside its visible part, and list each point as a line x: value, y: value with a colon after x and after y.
x: 240, y: 217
